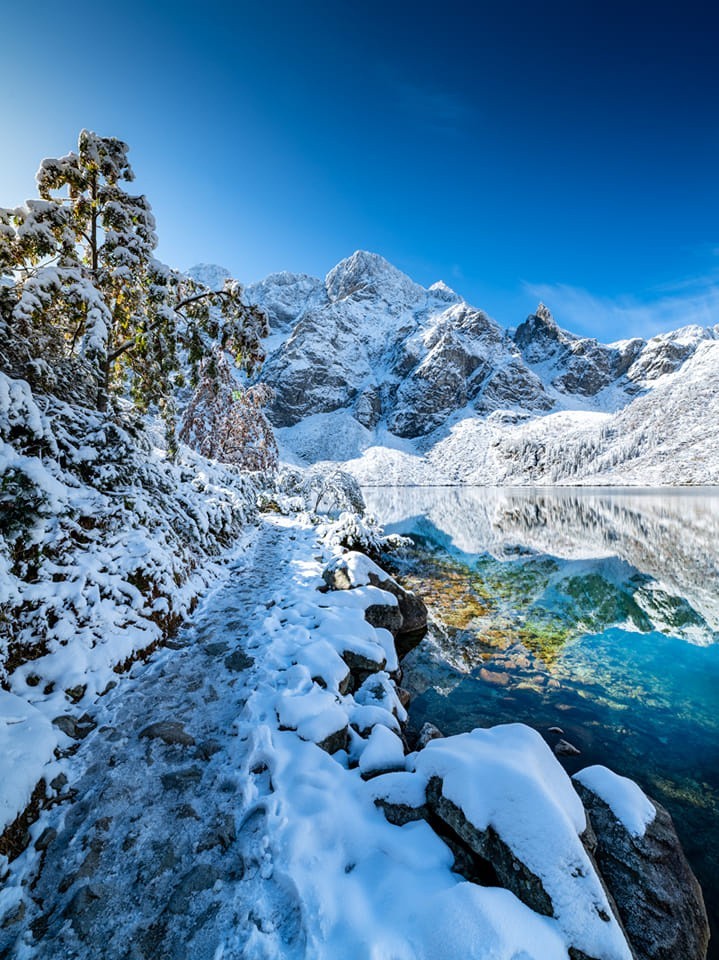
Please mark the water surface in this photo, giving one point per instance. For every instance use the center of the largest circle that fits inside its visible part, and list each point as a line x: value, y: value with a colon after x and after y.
x: 592, y: 611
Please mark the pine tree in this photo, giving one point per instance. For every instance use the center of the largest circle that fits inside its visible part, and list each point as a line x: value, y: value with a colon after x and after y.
x: 81, y: 280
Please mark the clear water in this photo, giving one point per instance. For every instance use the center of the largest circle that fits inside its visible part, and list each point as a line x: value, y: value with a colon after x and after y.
x: 593, y: 611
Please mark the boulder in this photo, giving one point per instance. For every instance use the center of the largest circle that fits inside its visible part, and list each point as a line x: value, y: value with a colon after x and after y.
x: 384, y: 616
x: 383, y: 753
x: 488, y: 846
x: 354, y: 569
x: 656, y: 893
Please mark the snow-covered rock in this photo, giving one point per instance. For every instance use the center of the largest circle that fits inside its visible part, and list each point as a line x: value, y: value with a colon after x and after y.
x: 488, y: 786
x: 643, y: 864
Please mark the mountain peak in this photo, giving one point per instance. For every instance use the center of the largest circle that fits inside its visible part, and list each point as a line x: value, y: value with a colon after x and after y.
x: 544, y: 313
x: 370, y: 272
x: 209, y: 274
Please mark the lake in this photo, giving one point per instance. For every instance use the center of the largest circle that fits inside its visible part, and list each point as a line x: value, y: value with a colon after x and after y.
x: 591, y: 610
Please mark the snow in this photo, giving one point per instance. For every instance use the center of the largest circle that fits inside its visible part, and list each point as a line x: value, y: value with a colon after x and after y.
x: 623, y: 796
x: 27, y: 740
x: 384, y: 751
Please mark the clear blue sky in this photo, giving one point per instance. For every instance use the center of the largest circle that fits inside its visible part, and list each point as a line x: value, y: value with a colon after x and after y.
x: 517, y: 150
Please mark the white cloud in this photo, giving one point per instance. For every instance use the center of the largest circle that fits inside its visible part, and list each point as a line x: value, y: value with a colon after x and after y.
x: 686, y: 302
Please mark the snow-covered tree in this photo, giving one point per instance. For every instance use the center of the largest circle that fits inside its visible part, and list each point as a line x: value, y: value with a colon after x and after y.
x: 225, y: 421
x: 80, y: 279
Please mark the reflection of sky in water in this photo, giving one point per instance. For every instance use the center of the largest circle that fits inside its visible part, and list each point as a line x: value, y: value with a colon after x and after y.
x: 594, y: 611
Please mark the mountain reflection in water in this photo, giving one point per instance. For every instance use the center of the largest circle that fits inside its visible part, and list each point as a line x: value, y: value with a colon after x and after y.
x: 595, y: 611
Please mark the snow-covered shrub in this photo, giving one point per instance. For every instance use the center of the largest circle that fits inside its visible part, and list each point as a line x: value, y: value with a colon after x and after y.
x: 104, y: 544
x: 315, y: 490
x: 351, y: 531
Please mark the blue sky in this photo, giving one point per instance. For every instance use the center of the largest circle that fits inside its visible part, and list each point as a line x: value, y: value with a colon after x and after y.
x: 567, y: 151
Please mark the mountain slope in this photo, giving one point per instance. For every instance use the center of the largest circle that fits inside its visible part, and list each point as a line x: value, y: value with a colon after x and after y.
x: 416, y: 385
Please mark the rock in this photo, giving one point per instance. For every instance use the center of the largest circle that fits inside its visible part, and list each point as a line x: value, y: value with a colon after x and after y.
x: 354, y: 569
x: 45, y: 838
x: 427, y: 733
x: 201, y: 877
x: 75, y: 694
x: 170, y: 732
x: 658, y: 897
x: 385, y: 616
x: 335, y: 741
x: 222, y: 834
x: 181, y: 779
x: 59, y: 782
x: 76, y: 729
x: 207, y: 749
x: 216, y: 649
x: 499, y: 678
x: 361, y: 665
x: 401, y: 813
x: 566, y: 749
x: 400, y: 798
x: 84, y: 908
x: 404, y: 697
x: 557, y: 731
x: 238, y: 661
x: 383, y: 753
x: 489, y: 847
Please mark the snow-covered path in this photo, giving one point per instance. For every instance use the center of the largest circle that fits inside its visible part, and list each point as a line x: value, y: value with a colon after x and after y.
x: 225, y: 805
x: 163, y: 853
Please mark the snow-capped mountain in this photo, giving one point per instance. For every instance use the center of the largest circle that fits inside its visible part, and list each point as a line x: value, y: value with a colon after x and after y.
x: 416, y: 384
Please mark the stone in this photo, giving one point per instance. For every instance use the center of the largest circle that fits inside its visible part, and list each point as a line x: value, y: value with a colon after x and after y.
x: 385, y: 616
x: 221, y: 834
x: 76, y: 729
x: 401, y: 813
x: 360, y: 664
x: 238, y: 661
x: 170, y: 732
x: 207, y: 749
x: 557, y: 731
x: 658, y: 897
x: 351, y: 570
x: 84, y: 908
x: 566, y: 749
x: 404, y: 697
x: 427, y: 733
x: 335, y: 741
x: 201, y: 877
x: 75, y: 694
x: 45, y: 838
x: 216, y: 649
x: 181, y: 779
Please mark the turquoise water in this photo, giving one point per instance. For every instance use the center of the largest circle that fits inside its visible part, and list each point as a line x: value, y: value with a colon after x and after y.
x: 596, y: 612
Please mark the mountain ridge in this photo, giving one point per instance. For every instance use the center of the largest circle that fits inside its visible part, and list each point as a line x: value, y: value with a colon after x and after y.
x: 415, y: 373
